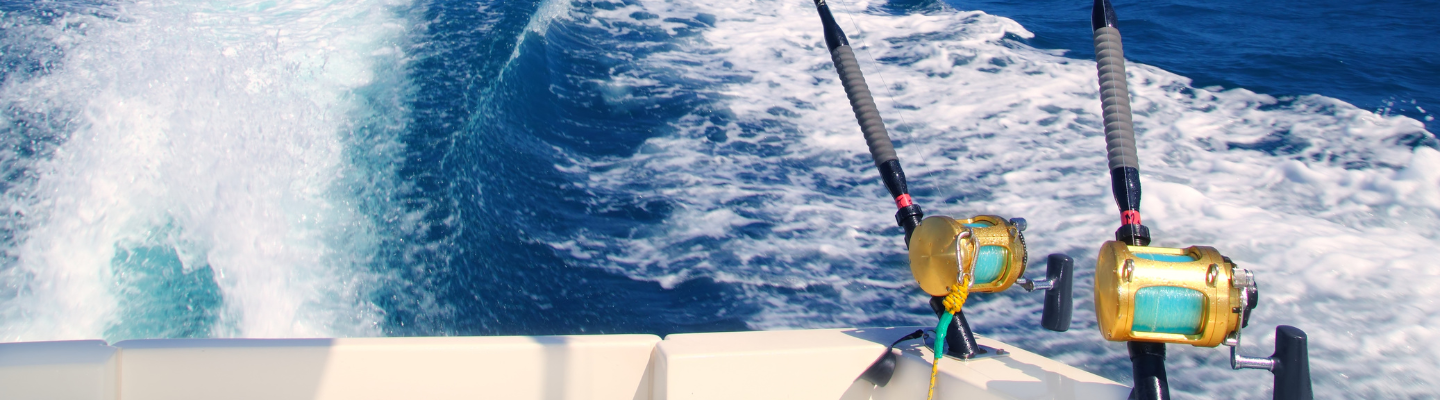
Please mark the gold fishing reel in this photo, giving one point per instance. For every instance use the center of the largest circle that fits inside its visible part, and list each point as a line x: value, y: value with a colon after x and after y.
x: 990, y: 249
x: 1190, y: 296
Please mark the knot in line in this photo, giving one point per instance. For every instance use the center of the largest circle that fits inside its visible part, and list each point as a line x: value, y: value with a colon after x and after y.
x: 956, y: 299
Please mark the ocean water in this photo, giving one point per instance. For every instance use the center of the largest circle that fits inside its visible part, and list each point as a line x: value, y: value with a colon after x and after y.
x: 392, y: 168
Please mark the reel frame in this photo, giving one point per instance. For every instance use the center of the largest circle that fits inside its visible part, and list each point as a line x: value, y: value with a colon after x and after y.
x: 1122, y: 271
x: 943, y: 248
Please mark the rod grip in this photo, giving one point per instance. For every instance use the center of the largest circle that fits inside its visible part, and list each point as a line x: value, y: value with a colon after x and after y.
x: 1120, y: 151
x: 1115, y: 100
x: 863, y: 104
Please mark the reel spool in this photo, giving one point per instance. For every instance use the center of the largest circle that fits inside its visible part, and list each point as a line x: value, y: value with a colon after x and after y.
x: 1191, y: 296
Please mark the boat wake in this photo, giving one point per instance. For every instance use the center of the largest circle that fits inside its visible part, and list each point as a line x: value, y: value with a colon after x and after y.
x: 183, y: 170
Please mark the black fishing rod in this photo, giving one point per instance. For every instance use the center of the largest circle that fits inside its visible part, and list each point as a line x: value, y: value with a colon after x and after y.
x: 1147, y: 358
x: 949, y: 258
x: 1150, y: 296
x: 882, y: 151
x: 1120, y: 150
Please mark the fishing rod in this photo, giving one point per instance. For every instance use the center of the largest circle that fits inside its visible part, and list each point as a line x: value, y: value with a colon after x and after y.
x: 1149, y: 296
x: 949, y: 258
x: 882, y: 151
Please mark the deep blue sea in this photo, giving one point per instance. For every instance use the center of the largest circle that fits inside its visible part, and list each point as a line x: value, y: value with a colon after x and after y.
x: 249, y: 168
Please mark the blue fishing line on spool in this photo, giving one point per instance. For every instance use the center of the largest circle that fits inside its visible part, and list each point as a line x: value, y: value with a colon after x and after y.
x: 989, y: 263
x: 978, y: 224
x: 1165, y: 257
x: 1168, y: 309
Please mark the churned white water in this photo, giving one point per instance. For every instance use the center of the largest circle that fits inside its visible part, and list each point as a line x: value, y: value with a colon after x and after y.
x: 203, y: 151
x: 775, y: 191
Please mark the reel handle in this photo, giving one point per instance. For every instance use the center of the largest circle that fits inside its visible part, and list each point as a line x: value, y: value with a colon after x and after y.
x: 1292, y: 364
x: 1059, y: 304
x: 1059, y: 269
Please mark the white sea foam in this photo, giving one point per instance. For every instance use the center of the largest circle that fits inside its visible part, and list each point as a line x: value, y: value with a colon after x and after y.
x: 1339, y: 223
x: 222, y: 128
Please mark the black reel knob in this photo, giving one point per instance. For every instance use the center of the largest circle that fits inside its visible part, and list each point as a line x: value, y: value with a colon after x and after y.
x: 1292, y: 364
x: 1060, y: 270
x: 1059, y: 304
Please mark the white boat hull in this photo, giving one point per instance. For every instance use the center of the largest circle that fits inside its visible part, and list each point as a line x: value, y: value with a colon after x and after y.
x: 792, y: 365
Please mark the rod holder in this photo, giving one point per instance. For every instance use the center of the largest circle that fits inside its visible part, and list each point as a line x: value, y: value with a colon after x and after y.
x: 1147, y: 362
x: 959, y: 340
